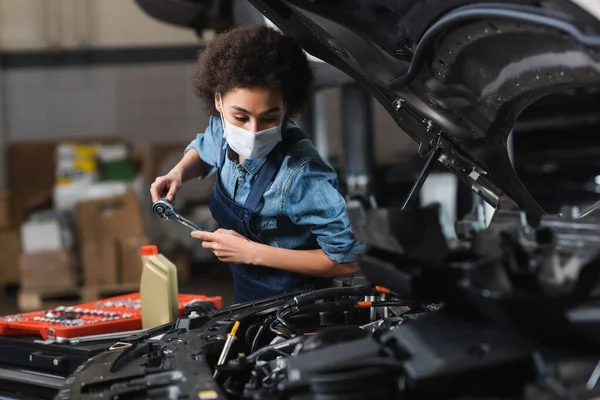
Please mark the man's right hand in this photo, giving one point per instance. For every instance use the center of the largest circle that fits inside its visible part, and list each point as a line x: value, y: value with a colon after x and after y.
x: 168, y: 184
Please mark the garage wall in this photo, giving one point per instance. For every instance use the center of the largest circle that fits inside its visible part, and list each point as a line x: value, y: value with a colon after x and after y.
x: 142, y: 103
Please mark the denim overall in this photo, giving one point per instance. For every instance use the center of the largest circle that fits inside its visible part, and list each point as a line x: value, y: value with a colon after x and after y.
x: 256, y: 282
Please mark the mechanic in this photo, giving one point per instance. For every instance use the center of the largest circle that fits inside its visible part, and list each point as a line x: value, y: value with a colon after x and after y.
x: 284, y: 223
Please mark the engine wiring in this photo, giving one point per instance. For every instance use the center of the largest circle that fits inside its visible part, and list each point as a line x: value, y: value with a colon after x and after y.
x: 277, y: 333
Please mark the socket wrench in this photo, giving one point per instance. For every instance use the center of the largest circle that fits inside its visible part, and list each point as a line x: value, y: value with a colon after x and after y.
x: 165, y: 210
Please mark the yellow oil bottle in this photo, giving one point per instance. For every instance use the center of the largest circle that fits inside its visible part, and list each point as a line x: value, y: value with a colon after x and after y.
x: 158, y: 289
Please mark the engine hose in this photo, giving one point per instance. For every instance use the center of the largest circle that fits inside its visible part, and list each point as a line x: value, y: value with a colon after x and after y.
x: 330, y: 305
x: 282, y: 321
x: 276, y: 347
x: 262, y: 304
x: 288, y: 311
x: 257, y: 338
x: 276, y: 332
x: 480, y: 12
x: 368, y: 304
x: 310, y: 297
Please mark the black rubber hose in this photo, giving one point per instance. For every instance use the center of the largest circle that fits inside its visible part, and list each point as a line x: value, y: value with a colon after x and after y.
x: 328, y: 306
x: 276, y: 332
x: 310, y: 297
x: 478, y: 12
x: 261, y: 304
x: 275, y: 347
x: 289, y: 311
x: 391, y: 304
x: 257, y: 338
x: 282, y: 321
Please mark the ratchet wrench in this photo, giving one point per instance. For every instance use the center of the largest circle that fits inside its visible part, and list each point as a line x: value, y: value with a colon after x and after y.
x: 165, y: 210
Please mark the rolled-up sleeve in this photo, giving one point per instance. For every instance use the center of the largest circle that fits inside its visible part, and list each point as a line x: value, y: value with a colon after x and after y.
x: 208, y: 145
x: 311, y: 199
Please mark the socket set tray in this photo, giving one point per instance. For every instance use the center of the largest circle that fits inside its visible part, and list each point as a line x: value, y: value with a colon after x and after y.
x: 115, y: 314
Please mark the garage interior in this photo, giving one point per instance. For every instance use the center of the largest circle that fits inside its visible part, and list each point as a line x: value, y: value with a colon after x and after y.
x: 131, y: 94
x: 96, y: 102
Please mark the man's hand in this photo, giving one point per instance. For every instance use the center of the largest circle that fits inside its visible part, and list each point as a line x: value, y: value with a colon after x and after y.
x: 229, y: 246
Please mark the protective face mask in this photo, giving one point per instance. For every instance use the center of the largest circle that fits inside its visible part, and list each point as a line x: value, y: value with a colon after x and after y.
x: 248, y: 144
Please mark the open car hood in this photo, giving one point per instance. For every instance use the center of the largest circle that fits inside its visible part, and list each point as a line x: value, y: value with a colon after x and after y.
x: 455, y: 74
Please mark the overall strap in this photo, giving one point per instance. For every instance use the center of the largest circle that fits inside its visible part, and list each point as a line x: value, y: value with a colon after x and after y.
x: 271, y: 166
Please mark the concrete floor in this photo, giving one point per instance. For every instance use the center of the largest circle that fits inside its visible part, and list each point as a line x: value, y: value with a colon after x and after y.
x: 209, y: 280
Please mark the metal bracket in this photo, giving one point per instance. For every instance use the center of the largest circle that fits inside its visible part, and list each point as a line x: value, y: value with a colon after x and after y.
x: 425, y: 171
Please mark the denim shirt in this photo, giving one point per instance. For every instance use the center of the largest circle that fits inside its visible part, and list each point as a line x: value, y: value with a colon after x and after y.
x: 301, y: 209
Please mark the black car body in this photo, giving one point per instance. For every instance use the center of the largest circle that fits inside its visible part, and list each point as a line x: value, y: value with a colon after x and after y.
x: 455, y: 73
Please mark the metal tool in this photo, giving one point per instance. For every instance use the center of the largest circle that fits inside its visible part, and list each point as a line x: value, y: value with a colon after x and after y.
x: 590, y: 210
x: 228, y: 343
x: 93, y: 338
x: 165, y: 210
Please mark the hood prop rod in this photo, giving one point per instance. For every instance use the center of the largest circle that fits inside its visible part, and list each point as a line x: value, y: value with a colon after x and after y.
x: 425, y: 171
x: 589, y: 210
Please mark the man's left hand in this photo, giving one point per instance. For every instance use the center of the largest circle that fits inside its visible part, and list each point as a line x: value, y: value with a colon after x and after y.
x: 229, y: 246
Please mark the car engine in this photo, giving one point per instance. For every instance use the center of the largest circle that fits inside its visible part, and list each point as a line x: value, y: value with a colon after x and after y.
x: 506, y: 311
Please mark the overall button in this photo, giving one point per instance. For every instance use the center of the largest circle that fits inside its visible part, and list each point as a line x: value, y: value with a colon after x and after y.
x: 246, y: 213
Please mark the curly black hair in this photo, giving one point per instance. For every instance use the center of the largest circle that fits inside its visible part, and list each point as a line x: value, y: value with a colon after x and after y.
x: 253, y: 56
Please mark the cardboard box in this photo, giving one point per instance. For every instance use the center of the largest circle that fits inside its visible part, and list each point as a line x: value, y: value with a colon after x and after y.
x: 100, y: 265
x: 105, y: 220
x: 45, y: 235
x: 66, y: 197
x: 48, y: 270
x: 10, y: 248
x: 5, y: 217
x: 130, y: 260
x: 32, y: 183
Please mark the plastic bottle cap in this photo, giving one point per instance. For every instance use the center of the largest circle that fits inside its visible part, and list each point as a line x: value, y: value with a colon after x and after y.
x: 150, y: 250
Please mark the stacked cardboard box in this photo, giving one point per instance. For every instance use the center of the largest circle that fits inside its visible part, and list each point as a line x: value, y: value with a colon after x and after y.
x: 45, y: 252
x: 111, y: 231
x: 10, y: 243
x: 34, y: 184
x: 48, y: 260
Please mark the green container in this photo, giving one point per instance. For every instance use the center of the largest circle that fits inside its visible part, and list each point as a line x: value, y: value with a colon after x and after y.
x: 115, y: 162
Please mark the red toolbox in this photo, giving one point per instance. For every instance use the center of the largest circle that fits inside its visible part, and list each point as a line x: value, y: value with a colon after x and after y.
x: 115, y: 314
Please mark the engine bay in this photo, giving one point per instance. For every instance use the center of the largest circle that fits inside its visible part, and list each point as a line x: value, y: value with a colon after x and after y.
x: 510, y: 312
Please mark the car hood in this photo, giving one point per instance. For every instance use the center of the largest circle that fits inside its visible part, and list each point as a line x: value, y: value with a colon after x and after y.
x: 455, y: 74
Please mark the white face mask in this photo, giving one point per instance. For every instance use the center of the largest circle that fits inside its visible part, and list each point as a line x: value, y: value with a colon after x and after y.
x: 248, y: 144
